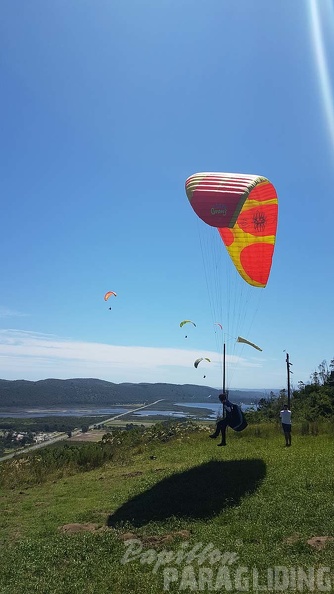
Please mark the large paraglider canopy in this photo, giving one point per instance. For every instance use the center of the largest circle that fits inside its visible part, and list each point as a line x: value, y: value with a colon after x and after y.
x: 240, y: 214
x: 244, y: 209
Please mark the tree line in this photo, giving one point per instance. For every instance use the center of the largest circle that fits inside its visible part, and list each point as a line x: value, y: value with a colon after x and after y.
x: 310, y: 402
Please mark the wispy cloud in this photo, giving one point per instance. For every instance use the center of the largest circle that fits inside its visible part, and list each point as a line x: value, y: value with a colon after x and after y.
x: 32, y: 355
x: 6, y: 312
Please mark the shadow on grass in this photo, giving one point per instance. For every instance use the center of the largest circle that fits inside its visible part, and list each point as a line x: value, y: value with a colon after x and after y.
x: 201, y: 492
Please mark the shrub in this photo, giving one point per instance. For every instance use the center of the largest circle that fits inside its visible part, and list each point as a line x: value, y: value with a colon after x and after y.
x: 305, y: 428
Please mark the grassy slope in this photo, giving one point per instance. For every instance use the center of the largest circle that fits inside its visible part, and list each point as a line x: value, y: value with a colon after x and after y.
x: 247, y: 498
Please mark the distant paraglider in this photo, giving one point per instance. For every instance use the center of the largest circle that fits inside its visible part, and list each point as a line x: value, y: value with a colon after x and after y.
x: 198, y: 361
x: 240, y: 339
x: 187, y: 322
x: 109, y: 294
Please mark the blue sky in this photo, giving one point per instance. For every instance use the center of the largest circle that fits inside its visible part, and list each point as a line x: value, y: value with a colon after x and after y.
x: 106, y: 109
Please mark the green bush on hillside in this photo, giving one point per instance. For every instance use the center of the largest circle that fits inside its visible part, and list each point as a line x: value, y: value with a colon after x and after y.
x: 116, y: 446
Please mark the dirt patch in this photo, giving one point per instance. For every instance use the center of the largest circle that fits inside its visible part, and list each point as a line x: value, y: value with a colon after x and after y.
x: 319, y: 542
x: 134, y: 473
x: 75, y: 528
x: 128, y: 536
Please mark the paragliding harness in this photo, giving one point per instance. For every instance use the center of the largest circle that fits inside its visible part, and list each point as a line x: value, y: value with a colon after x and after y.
x: 236, y: 419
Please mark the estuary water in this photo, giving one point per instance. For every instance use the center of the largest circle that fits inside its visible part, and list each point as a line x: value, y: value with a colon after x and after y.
x: 209, y: 410
x: 61, y: 412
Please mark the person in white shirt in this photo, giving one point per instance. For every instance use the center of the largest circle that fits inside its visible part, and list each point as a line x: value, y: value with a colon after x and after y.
x: 285, y: 416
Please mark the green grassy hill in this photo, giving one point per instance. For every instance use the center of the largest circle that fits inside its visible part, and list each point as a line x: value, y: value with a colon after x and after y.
x: 171, y: 512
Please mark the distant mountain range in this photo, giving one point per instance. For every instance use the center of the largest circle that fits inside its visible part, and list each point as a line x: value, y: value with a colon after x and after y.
x: 95, y: 392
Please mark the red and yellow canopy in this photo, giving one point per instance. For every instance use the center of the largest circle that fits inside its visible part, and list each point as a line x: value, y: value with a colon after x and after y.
x: 244, y: 208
